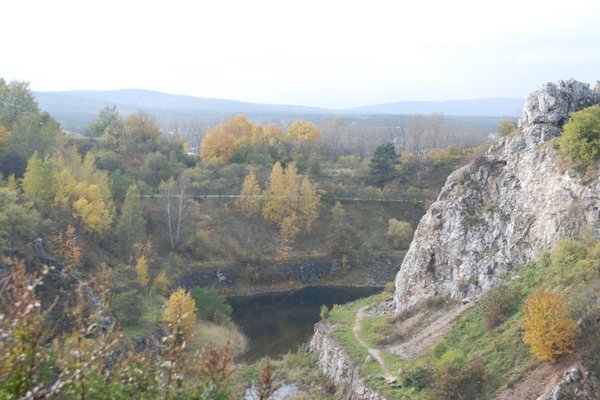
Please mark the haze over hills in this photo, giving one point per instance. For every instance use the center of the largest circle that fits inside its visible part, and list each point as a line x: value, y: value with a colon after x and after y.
x: 490, y: 107
x: 130, y: 100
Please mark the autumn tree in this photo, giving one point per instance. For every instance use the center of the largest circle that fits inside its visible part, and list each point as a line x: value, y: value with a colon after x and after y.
x: 305, y: 137
x: 223, y: 140
x: 180, y: 310
x: 39, y: 182
x: 249, y: 200
x: 304, y: 131
x: 266, y: 381
x: 293, y: 207
x: 218, y: 144
x: 84, y: 191
x: 309, y: 204
x: 161, y: 283
x: 4, y: 134
x: 67, y: 247
x: 131, y: 225
x: 547, y: 325
x: 141, y: 270
x: 275, y: 202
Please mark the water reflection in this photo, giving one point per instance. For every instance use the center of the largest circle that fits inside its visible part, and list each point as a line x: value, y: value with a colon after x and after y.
x: 276, y: 323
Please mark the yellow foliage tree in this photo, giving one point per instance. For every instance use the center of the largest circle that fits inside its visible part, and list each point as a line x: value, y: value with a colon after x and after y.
x: 161, y: 283
x: 305, y: 137
x: 249, y: 202
x: 141, y: 269
x: 292, y: 207
x: 84, y: 190
x: 304, y: 131
x: 547, y: 325
x: 180, y: 310
x: 4, y: 134
x: 273, y: 135
x: 290, y: 227
x: 90, y: 207
x: 275, y: 202
x: 218, y: 144
x: 309, y: 204
x: 39, y: 182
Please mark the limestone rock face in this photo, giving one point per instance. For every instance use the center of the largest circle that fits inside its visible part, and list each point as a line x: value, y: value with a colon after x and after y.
x: 547, y: 110
x: 576, y: 383
x: 503, y: 209
x: 335, y: 363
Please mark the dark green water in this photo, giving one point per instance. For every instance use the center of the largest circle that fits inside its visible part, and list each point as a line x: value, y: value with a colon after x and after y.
x: 278, y: 323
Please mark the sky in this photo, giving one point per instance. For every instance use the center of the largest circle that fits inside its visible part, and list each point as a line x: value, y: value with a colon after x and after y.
x: 325, y: 53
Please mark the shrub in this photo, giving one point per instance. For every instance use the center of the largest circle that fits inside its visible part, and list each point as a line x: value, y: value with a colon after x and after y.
x: 399, y: 233
x: 455, y: 379
x: 580, y: 140
x: 568, y: 262
x: 161, y: 283
x: 211, y: 305
x: 498, y: 305
x: 128, y: 306
x: 324, y: 312
x: 390, y: 287
x: 418, y: 376
x: 547, y: 325
x: 506, y: 127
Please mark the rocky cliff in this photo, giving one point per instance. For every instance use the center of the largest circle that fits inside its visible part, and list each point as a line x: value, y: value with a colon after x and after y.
x: 335, y: 363
x: 503, y: 209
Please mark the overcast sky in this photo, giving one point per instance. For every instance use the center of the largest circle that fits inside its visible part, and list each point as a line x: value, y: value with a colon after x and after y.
x: 325, y: 53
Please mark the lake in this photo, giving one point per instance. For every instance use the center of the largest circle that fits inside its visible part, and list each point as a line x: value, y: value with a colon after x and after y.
x: 280, y: 322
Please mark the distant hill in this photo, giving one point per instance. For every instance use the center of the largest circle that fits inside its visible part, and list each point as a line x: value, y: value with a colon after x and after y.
x: 492, y: 107
x: 128, y: 100
x: 76, y: 109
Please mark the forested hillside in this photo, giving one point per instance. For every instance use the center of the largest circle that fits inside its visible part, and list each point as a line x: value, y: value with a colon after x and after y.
x: 123, y: 230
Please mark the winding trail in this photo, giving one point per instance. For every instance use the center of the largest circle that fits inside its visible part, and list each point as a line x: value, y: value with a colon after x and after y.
x: 429, y: 335
x: 360, y: 315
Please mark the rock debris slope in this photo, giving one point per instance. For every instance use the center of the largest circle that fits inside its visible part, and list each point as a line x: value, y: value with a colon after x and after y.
x: 504, y: 208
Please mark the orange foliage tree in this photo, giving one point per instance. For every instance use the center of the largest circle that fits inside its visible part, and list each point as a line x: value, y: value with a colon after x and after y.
x: 222, y: 141
x: 547, y: 325
x: 67, y: 247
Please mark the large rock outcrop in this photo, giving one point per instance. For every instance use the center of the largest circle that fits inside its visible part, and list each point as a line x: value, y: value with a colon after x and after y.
x: 503, y: 209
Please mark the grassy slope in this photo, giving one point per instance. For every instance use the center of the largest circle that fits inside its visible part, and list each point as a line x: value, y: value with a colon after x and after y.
x: 505, y: 357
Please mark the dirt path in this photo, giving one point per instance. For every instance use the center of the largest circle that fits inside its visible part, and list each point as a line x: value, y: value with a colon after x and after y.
x: 360, y: 315
x: 430, y: 335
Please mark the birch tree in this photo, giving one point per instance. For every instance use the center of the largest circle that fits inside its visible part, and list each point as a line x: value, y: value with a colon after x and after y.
x: 175, y: 199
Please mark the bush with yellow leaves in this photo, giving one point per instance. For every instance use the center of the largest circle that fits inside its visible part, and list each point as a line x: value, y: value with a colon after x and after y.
x: 548, y: 327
